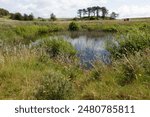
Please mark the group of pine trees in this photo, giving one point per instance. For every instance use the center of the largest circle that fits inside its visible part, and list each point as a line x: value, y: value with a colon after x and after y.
x: 96, y: 12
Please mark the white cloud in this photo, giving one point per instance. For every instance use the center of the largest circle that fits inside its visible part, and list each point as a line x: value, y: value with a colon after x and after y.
x: 68, y: 8
x: 134, y: 11
x: 62, y: 8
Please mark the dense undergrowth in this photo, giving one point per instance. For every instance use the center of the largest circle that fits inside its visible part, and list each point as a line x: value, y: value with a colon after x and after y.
x: 51, y: 70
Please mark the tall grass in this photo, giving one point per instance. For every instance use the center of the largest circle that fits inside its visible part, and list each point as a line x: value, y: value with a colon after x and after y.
x: 51, y: 70
x: 58, y: 47
x: 129, y: 43
x: 15, y: 31
x: 29, y: 73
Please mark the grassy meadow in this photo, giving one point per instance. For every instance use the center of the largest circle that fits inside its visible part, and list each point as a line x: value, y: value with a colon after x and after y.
x: 51, y: 70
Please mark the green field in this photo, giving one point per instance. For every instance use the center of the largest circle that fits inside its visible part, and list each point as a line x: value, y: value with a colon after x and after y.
x: 52, y: 71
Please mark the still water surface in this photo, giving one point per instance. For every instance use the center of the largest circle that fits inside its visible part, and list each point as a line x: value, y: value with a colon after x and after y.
x: 91, y: 46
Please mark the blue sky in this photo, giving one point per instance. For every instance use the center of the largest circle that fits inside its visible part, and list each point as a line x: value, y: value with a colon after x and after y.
x: 68, y: 8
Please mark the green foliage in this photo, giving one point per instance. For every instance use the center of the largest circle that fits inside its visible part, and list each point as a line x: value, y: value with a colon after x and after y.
x: 3, y: 12
x: 51, y: 71
x: 43, y: 30
x: 129, y: 43
x: 53, y: 17
x: 73, y: 26
x: 56, y: 47
x: 96, y: 75
x: 54, y: 87
x: 28, y: 32
x: 18, y: 16
x: 110, y: 29
x: 133, y: 69
x: 128, y: 75
x: 93, y: 18
x: 93, y: 13
x: 31, y: 17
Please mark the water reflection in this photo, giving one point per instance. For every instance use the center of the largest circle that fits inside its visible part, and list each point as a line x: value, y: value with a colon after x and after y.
x: 90, y: 46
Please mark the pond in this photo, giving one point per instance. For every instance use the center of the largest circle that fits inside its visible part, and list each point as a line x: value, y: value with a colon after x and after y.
x: 91, y: 46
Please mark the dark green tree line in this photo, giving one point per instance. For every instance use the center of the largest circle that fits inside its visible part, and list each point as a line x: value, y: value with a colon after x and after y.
x: 97, y: 12
x: 19, y: 16
x: 3, y: 12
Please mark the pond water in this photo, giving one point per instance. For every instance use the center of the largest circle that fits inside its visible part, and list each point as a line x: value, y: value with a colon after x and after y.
x: 91, y: 46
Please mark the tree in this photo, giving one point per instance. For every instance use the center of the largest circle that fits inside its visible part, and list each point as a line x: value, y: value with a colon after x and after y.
x: 52, y: 17
x: 104, y: 12
x: 17, y: 16
x: 80, y: 11
x: 114, y: 15
x: 11, y: 16
x: 31, y: 17
x: 98, y: 9
x: 94, y: 10
x: 25, y: 17
x: 84, y: 12
x: 89, y: 10
x: 3, y: 12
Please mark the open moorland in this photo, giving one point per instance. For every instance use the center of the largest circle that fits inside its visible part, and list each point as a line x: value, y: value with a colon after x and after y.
x: 52, y: 70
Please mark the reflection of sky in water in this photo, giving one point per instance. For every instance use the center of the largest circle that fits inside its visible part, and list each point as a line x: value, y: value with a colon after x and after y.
x: 90, y: 49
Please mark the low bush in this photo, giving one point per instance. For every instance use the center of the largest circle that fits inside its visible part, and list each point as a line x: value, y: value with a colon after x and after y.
x: 73, y: 26
x: 54, y: 87
x: 127, y: 76
x: 129, y: 44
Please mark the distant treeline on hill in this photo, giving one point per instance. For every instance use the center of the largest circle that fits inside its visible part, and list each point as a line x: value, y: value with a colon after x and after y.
x: 16, y: 16
x: 3, y: 12
x: 96, y: 12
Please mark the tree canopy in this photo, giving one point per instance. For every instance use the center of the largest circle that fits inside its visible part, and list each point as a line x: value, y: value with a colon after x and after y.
x: 19, y: 16
x: 52, y: 17
x: 3, y: 12
x: 96, y: 12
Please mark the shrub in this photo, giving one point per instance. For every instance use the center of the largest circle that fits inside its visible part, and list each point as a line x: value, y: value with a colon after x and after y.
x: 129, y: 44
x: 134, y: 68
x: 93, y: 18
x: 127, y: 76
x: 73, y: 26
x: 54, y: 87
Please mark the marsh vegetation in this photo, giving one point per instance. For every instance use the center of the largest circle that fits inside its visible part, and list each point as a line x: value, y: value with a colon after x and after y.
x: 39, y: 61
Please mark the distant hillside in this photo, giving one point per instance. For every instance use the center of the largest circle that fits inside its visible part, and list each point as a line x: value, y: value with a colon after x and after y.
x: 141, y: 18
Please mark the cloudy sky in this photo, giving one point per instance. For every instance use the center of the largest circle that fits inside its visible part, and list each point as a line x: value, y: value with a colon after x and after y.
x: 68, y: 8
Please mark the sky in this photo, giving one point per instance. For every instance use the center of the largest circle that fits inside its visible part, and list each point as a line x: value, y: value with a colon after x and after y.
x: 68, y: 8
